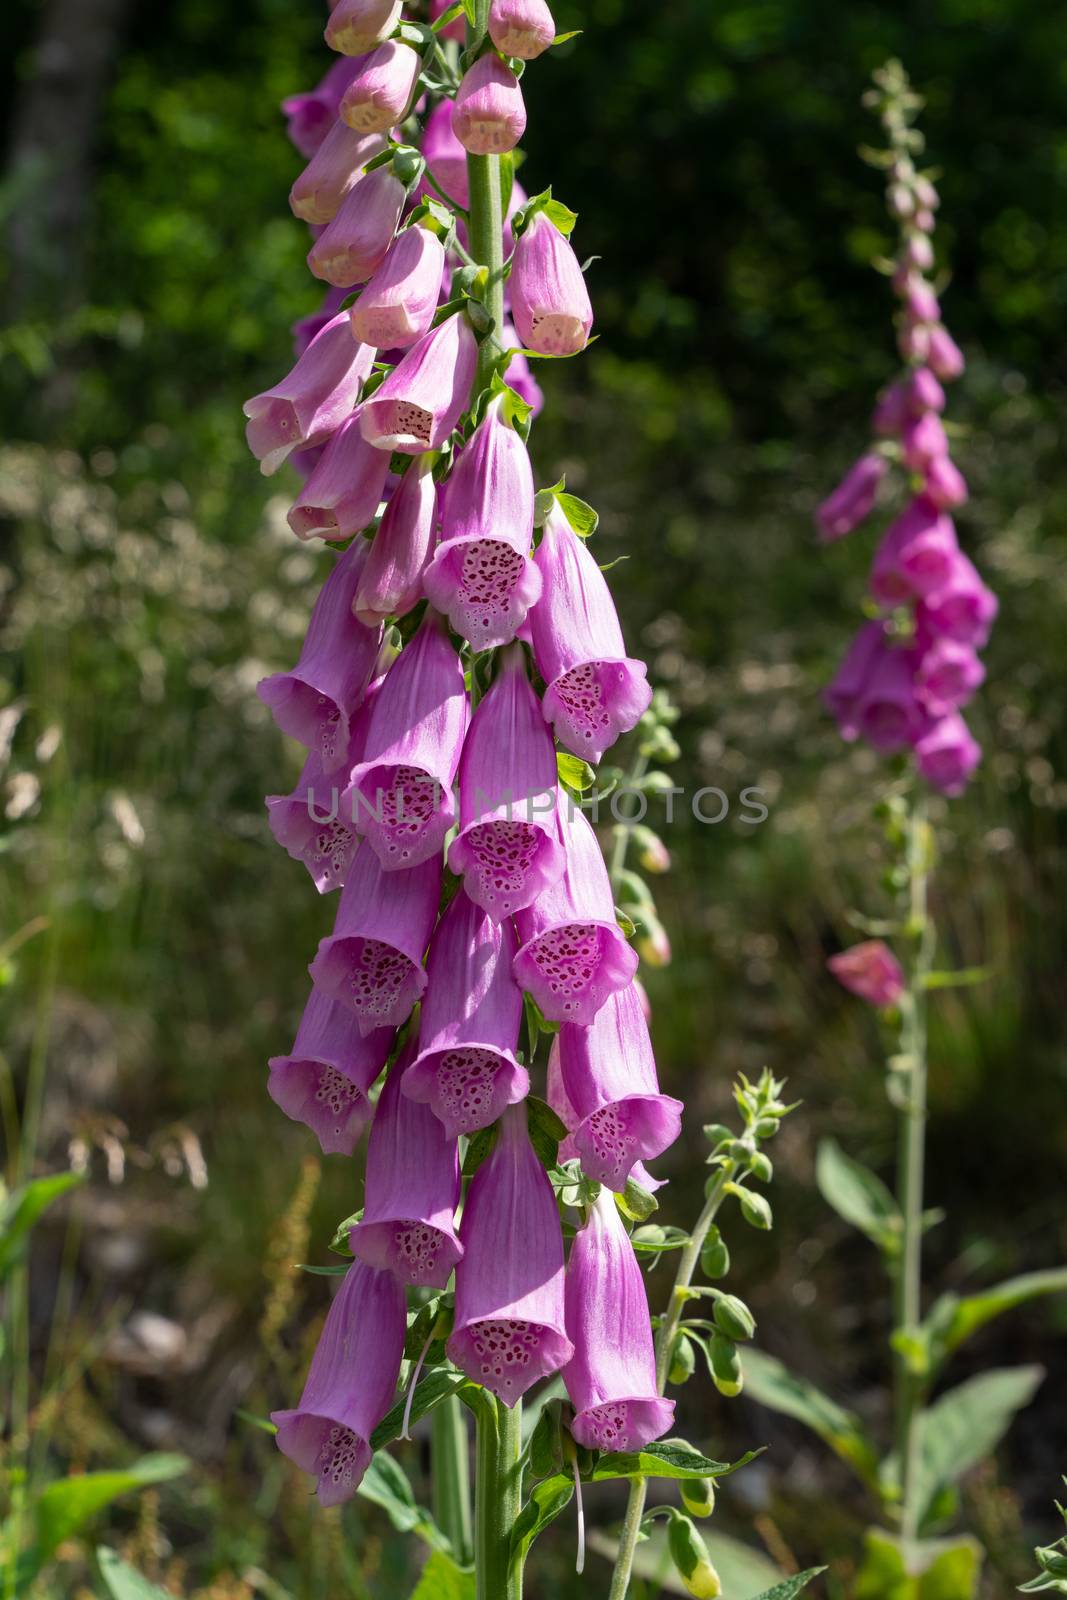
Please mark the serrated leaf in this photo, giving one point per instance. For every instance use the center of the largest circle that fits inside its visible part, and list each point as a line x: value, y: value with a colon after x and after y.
x: 664, y: 1461
x: 790, y: 1586
x: 547, y: 1499
x: 429, y: 1392
x: 580, y: 514
x: 124, y: 1582
x: 858, y: 1195
x: 22, y: 1207
x: 64, y: 1507
x: 443, y: 1580
x: 771, y: 1382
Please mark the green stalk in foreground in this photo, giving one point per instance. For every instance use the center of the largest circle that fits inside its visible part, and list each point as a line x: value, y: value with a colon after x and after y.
x: 450, y: 1473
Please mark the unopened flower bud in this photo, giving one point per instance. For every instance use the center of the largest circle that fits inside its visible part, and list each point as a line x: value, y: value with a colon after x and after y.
x: 522, y: 28
x: 919, y: 252
x: 489, y: 114
x: 549, y: 299
x: 683, y: 1360
x: 714, y: 1255
x: 945, y: 355
x: 871, y: 971
x: 380, y: 93
x: 913, y: 341
x: 945, y: 483
x: 690, y: 1556
x: 697, y: 1495
x: 356, y: 26
x: 901, y: 201
x: 398, y: 304
x: 725, y: 1366
x: 733, y: 1318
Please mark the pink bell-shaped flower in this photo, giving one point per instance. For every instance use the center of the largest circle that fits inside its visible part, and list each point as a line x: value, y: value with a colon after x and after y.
x: 915, y: 556
x: 947, y: 675
x: 423, y: 397
x: 349, y: 248
x: 356, y: 26
x: 310, y: 402
x: 962, y: 608
x: 871, y: 971
x: 380, y: 91
x: 342, y: 494
x: 324, y: 1079
x: 521, y: 28
x: 844, y: 694
x: 947, y: 755
x: 853, y: 499
x: 332, y: 173
x: 550, y: 304
x: 488, y: 113
x: 391, y: 584
x: 399, y: 302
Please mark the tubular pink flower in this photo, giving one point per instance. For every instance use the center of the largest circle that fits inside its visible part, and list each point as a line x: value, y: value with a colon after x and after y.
x: 311, y: 402
x: 963, y: 608
x: 400, y: 794
x: 350, y: 247
x: 323, y: 1081
x: 871, y: 971
x: 445, y: 157
x: 611, y: 1378
x: 573, y: 953
x: 920, y: 300
x: 392, y: 577
x: 922, y: 441
x: 948, y: 754
x: 379, y: 93
x: 945, y: 355
x: 333, y: 171
x: 890, y: 413
x: 889, y: 713
x: 309, y: 117
x: 488, y: 113
x: 947, y: 675
x: 595, y: 691
x: 510, y: 1322
x: 608, y: 1074
x: 344, y: 490
x: 350, y: 1384
x: 372, y: 962
x: 482, y: 576
x: 412, y: 1189
x: 557, y: 1099
x: 522, y: 28
x: 356, y: 26
x: 919, y: 252
x: 399, y: 302
x: 508, y: 850
x: 422, y: 399
x: 549, y: 300
x: 924, y: 391
x: 915, y: 557
x: 913, y: 341
x: 945, y: 483
x: 844, y: 693
x: 317, y: 699
x: 467, y: 1072
x: 853, y: 499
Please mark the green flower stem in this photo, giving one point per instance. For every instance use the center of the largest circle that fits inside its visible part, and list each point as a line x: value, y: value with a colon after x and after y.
x: 687, y: 1265
x: 486, y: 224
x: 910, y: 1386
x: 450, y: 1473
x: 497, y: 1499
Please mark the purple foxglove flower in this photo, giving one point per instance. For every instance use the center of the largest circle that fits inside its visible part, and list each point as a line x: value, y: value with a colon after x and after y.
x: 890, y: 413
x: 923, y: 441
x: 392, y: 578
x: 356, y: 26
x: 317, y: 699
x: 595, y: 690
x: 945, y: 483
x: 400, y: 794
x: 853, y: 499
x: 920, y: 300
x: 421, y: 400
x: 871, y: 971
x: 488, y: 113
x: 482, y: 576
x: 946, y: 357
x: 520, y: 373
x: 507, y: 851
x: 380, y: 92
x: 924, y: 391
x: 522, y: 28
x: 962, y: 609
x: 350, y: 247
x: 412, y: 1189
x: 557, y: 1099
x: 608, y: 1074
x: 549, y: 300
x: 844, y: 694
x: 305, y: 328
x: 913, y: 341
x: 919, y: 252
x: 948, y: 754
x: 323, y: 1081
x: 350, y: 1384
x: 343, y: 493
x: 467, y: 1072
x: 310, y: 402
x: 915, y: 556
x: 509, y: 1329
x: 573, y: 953
x: 947, y: 675
x: 334, y: 170
x: 889, y: 713
x: 445, y: 156
x: 372, y: 961
x: 399, y: 302
x: 309, y: 117
x: 611, y: 1378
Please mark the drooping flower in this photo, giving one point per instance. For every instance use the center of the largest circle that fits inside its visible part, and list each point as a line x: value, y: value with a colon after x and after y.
x: 488, y: 113
x: 945, y: 355
x: 947, y: 675
x: 509, y: 1326
x: 842, y: 696
x: 356, y: 26
x: 412, y: 1189
x: 508, y: 850
x: 853, y: 499
x: 889, y: 713
x: 924, y: 393
x: 594, y: 690
x: 311, y: 401
x: 372, y: 961
x: 482, y: 576
x: 304, y: 329
x: 871, y: 971
x: 915, y: 557
x: 892, y: 409
x: 467, y: 1071
x: 324, y: 1079
x: 344, y: 490
x: 399, y: 302
x: 421, y: 400
x: 549, y: 300
x: 573, y: 953
x: 331, y: 174
x: 923, y: 441
x: 316, y: 701
x: 310, y: 116
x: 948, y: 754
x: 353, y: 245
x: 945, y: 484
x: 611, y: 1378
x: 522, y: 28
x: 962, y: 608
x: 400, y: 793
x: 391, y: 584
x: 380, y: 91
x: 350, y: 1384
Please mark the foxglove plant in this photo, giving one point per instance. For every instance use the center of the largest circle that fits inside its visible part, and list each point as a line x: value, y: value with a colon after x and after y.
x: 466, y: 628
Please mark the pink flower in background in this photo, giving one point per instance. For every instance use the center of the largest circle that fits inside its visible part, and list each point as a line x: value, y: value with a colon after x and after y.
x: 945, y: 355
x: 392, y: 580
x: 325, y: 1078
x: 915, y: 557
x: 310, y: 116
x: 853, y: 499
x: 961, y: 608
x: 871, y: 971
x: 945, y: 484
x: 948, y: 754
x: 343, y: 492
x: 310, y: 403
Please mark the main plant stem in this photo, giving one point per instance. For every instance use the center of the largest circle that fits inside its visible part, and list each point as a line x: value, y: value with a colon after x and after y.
x: 668, y: 1328
x: 497, y: 1500
x: 909, y: 1386
x: 450, y: 1474
x: 486, y: 225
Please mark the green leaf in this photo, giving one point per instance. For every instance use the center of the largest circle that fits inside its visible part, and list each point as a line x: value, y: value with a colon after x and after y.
x: 339, y: 1243
x: 547, y: 1130
x: 574, y: 772
x: 123, y: 1582
x: 929, y: 1569
x: 429, y: 1392
x: 952, y: 1319
x: 443, y: 1580
x: 858, y: 1195
x: 964, y: 978
x: 770, y: 1381
x: 21, y: 1209
x: 64, y: 1507
x: 561, y: 38
x: 250, y: 1417
x: 655, y: 1237
x: 546, y: 1501
x: 385, y: 1484
x: 479, y: 1148
x: 507, y: 179
x: 561, y: 216
x: 665, y: 1461
x: 581, y: 516
x: 965, y: 1425
x: 635, y: 1203
x: 791, y: 1586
